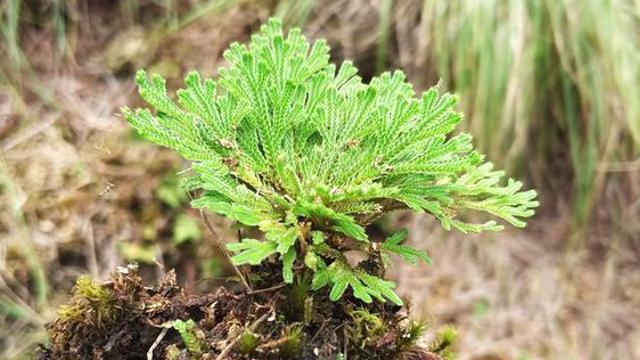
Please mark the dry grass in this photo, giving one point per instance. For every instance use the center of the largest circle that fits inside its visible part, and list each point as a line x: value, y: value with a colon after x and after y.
x: 74, y: 183
x: 518, y: 296
x: 75, y: 186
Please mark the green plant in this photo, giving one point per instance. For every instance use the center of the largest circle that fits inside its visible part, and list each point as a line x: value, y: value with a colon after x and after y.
x: 446, y: 336
x: 189, y: 333
x: 88, y: 297
x: 286, y: 142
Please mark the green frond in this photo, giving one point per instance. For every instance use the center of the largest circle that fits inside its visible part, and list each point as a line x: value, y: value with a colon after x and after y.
x: 284, y: 141
x: 251, y: 251
x: 393, y: 245
x: 288, y: 260
x: 340, y: 276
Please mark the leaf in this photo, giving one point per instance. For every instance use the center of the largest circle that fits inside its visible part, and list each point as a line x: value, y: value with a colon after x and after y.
x: 321, y: 279
x: 287, y: 265
x: 340, y: 284
x: 343, y: 223
x: 382, y: 289
x: 311, y: 260
x: 397, y: 238
x: 251, y: 251
x: 344, y: 277
x: 285, y: 240
x: 185, y: 228
x: 351, y: 229
x: 393, y: 245
x: 317, y: 237
x: 341, y: 276
x: 240, y: 213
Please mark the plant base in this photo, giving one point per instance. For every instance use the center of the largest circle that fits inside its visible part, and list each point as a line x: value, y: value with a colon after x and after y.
x: 123, y: 319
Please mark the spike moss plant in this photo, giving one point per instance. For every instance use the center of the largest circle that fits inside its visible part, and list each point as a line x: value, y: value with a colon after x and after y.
x: 306, y: 152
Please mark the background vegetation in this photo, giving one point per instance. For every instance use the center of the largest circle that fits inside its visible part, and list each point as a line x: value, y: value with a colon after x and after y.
x: 551, y: 90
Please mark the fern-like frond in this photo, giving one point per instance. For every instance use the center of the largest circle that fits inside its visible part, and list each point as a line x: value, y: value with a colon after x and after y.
x: 393, y: 245
x: 285, y: 141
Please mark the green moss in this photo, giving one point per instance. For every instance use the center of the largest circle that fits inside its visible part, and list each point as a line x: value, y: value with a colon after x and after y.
x: 298, y: 304
x: 410, y: 334
x: 89, y: 297
x: 445, y: 338
x: 248, y: 342
x: 364, y: 328
x: 292, y: 342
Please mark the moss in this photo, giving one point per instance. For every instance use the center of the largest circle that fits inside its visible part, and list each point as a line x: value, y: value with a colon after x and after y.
x: 291, y: 344
x: 445, y: 337
x: 298, y: 302
x: 411, y: 334
x: 365, y: 327
x: 90, y: 302
x: 248, y: 342
x: 192, y: 337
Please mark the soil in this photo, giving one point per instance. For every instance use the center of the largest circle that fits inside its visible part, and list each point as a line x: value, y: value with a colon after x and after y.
x: 123, y: 319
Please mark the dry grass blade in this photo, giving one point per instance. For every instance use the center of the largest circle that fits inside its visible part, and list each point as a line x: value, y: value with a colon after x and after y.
x: 156, y: 343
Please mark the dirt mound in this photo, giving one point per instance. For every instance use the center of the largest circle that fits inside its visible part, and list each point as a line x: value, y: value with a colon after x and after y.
x: 123, y: 319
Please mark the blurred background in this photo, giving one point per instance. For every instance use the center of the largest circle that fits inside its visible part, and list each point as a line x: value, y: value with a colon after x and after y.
x: 550, y: 90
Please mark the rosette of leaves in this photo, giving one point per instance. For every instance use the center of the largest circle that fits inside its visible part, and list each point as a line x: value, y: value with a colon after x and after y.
x: 305, y: 151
